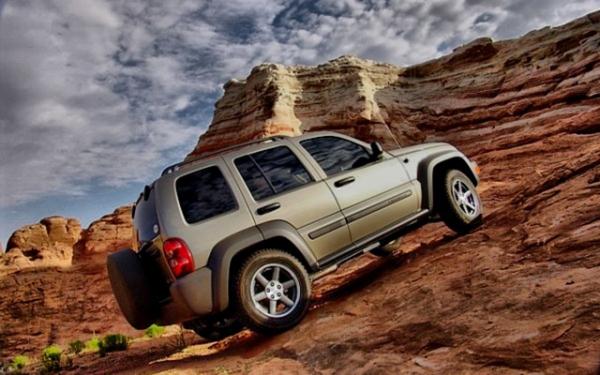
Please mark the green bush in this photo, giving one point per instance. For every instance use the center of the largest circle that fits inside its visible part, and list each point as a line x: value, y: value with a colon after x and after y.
x: 76, y: 346
x: 154, y: 330
x: 93, y: 344
x: 19, y: 362
x: 112, y: 343
x: 51, y: 358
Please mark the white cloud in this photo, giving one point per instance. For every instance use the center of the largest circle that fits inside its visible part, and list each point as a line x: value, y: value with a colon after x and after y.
x: 104, y: 93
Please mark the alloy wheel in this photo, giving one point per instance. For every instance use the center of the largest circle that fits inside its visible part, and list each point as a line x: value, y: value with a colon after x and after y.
x: 464, y: 198
x: 275, y: 290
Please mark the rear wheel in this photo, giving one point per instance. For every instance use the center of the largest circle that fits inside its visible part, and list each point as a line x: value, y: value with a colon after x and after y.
x: 458, y: 203
x: 272, y: 291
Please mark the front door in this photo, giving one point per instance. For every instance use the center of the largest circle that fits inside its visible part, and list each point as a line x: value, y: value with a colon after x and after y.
x: 372, y: 194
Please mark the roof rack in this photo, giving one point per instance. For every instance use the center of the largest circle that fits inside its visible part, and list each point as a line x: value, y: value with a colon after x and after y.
x: 174, y: 167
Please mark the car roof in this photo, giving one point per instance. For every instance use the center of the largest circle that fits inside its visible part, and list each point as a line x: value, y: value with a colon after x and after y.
x: 243, y: 148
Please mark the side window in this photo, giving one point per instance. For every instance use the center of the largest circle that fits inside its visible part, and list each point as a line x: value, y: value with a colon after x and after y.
x: 335, y: 154
x: 204, y: 194
x: 272, y: 171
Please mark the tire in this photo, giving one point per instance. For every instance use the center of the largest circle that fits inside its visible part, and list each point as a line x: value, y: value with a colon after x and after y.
x: 459, y: 214
x: 215, y: 328
x: 130, y: 287
x: 275, y: 301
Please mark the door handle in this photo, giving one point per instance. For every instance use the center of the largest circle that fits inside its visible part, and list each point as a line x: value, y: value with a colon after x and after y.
x: 268, y: 208
x: 344, y: 181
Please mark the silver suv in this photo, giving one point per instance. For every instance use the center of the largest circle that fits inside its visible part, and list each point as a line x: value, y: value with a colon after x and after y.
x: 235, y: 239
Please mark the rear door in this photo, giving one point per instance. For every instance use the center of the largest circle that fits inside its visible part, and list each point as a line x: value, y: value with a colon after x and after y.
x: 373, y: 194
x: 279, y: 185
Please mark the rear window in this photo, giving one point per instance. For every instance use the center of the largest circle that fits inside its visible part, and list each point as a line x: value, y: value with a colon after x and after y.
x: 204, y: 194
x: 272, y: 171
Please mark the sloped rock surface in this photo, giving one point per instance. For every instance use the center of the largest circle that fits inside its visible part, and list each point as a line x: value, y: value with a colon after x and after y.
x: 519, y: 295
x: 41, y: 304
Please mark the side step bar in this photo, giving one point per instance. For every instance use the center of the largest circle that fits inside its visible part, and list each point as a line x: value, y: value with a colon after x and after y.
x: 324, y: 272
x: 368, y: 244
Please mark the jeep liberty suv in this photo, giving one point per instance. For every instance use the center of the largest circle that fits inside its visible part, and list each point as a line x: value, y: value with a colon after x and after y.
x: 235, y: 239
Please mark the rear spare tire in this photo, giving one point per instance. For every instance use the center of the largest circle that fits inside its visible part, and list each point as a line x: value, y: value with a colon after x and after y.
x: 130, y: 287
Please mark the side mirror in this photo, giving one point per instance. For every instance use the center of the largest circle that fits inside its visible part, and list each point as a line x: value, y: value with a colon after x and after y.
x: 376, y: 150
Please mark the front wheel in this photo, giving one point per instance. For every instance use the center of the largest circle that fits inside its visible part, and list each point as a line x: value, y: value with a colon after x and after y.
x: 458, y: 203
x: 272, y: 291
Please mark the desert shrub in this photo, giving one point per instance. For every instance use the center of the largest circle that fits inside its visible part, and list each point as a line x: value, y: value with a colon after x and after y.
x: 51, y: 358
x: 76, y: 346
x: 112, y: 343
x: 19, y: 362
x: 154, y: 330
x: 93, y: 344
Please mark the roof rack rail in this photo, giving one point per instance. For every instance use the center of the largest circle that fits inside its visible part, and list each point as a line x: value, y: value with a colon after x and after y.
x: 174, y: 167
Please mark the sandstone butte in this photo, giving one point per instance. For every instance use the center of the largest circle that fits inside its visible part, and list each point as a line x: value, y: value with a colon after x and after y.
x: 519, y: 295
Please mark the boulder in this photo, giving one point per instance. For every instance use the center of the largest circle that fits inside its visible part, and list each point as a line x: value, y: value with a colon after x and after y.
x: 48, y: 243
x: 109, y: 233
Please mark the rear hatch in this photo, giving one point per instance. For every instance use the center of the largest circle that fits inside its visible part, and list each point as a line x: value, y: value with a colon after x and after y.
x: 149, y: 244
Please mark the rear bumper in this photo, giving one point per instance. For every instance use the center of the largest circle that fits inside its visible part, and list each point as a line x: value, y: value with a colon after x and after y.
x: 136, y: 291
x: 191, y: 296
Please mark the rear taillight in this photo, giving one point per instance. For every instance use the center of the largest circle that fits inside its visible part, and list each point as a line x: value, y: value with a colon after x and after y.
x: 178, y: 256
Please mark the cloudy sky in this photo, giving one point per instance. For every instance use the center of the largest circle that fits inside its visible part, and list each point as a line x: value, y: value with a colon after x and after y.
x: 96, y: 96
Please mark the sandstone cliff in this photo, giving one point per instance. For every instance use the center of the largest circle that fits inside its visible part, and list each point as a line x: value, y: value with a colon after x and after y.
x: 109, y: 233
x: 519, y: 295
x: 484, y: 96
x: 54, y: 287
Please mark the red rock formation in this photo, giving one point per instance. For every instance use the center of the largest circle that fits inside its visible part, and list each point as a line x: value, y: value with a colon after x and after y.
x: 109, y: 233
x: 44, y: 304
x: 501, y: 91
x: 49, y: 243
x: 518, y: 295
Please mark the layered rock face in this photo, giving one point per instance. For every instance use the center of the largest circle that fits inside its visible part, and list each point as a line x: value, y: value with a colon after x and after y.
x: 109, y: 233
x: 41, y: 303
x: 485, y: 91
x: 48, y: 243
x: 520, y: 294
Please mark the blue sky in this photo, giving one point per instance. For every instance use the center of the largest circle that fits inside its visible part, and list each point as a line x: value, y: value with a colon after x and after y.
x: 96, y: 97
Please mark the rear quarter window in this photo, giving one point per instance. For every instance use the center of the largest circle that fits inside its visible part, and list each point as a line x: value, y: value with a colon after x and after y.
x: 204, y: 194
x: 145, y: 220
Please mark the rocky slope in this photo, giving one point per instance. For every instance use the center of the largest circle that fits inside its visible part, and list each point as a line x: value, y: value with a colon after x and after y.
x: 55, y: 288
x: 519, y: 295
